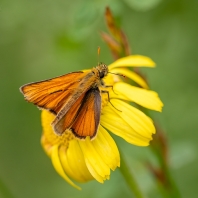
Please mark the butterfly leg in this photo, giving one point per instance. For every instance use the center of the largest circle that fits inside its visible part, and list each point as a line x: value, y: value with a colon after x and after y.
x: 107, y: 86
x: 107, y: 92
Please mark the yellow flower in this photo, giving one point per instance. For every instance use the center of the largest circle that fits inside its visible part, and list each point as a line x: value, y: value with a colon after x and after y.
x: 84, y: 160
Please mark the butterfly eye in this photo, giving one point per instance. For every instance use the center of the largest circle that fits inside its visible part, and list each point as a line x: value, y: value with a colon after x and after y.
x: 101, y: 74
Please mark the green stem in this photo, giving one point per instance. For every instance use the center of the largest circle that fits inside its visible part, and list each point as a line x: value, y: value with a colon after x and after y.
x: 129, y: 178
x: 169, y: 189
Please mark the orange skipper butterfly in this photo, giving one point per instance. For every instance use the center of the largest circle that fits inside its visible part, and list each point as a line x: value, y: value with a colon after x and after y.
x: 74, y: 98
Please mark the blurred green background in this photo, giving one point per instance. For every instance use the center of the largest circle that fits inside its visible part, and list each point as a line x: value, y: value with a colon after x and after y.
x: 41, y: 39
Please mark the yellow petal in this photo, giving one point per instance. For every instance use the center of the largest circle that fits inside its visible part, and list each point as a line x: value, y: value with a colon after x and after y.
x: 130, y: 124
x: 46, y: 120
x: 132, y: 75
x: 145, y: 98
x: 107, y: 149
x: 58, y: 166
x: 101, y: 155
x: 95, y: 164
x: 93, y: 159
x: 94, y: 173
x: 74, y: 164
x: 141, y: 123
x: 121, y: 128
x: 133, y: 61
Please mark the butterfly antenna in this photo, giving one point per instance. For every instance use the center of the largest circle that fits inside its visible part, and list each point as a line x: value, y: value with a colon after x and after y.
x: 117, y: 74
x: 98, y: 55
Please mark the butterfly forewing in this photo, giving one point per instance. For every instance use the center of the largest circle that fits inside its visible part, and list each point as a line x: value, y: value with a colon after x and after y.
x: 52, y: 94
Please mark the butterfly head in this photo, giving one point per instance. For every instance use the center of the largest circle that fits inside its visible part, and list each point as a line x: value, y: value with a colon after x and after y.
x: 102, y: 70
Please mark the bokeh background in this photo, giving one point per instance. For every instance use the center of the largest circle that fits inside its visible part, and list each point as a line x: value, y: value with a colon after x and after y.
x: 41, y: 39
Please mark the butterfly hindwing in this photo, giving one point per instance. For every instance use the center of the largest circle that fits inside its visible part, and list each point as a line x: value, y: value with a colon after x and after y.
x: 88, y: 118
x: 65, y: 121
x: 84, y: 116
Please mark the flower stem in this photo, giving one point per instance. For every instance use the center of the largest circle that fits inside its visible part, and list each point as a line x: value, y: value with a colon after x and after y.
x: 168, y: 186
x: 129, y: 178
